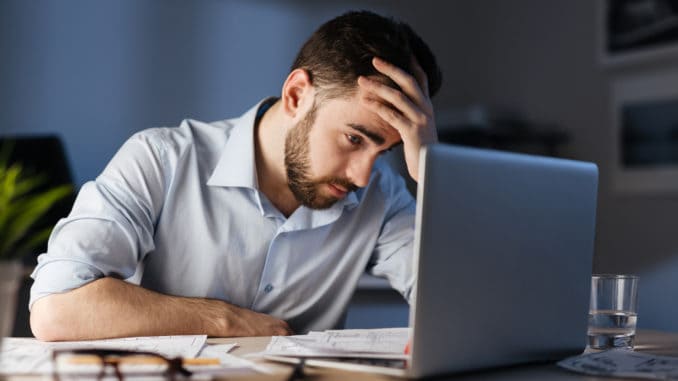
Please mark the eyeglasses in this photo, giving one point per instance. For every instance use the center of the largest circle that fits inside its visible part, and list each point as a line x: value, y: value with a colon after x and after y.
x: 79, y: 363
x: 298, y: 370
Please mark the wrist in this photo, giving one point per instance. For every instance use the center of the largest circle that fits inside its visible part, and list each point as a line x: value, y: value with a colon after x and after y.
x: 215, y: 317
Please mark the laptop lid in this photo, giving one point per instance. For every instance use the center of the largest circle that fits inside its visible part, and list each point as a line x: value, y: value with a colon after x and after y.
x: 503, y: 248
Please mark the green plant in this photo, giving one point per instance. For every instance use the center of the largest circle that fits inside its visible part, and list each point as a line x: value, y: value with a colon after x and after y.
x: 22, y: 204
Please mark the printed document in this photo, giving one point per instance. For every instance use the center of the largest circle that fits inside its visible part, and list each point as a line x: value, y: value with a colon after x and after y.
x: 624, y: 363
x: 386, y: 343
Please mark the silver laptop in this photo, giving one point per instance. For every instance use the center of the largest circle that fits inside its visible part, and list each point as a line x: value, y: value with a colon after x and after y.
x: 504, y: 252
x: 503, y: 248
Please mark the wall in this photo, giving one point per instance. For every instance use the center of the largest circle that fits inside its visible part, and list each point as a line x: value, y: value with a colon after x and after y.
x: 541, y: 58
x: 97, y: 71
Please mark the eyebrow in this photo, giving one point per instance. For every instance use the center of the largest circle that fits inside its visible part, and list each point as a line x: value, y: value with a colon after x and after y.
x: 373, y: 136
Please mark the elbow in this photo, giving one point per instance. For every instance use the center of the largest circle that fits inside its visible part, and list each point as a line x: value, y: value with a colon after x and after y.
x: 47, y: 317
x: 69, y: 316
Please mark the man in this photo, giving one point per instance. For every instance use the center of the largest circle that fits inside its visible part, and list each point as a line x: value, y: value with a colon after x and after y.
x: 259, y: 225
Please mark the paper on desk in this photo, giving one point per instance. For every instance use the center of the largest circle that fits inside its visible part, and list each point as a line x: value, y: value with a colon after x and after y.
x: 387, y: 343
x: 220, y: 351
x: 624, y: 363
x: 30, y: 356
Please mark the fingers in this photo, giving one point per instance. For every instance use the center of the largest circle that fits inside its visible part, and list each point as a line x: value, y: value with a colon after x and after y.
x: 392, y: 96
x: 411, y: 102
x: 420, y: 75
x: 390, y: 115
x: 286, y: 328
x: 278, y: 327
x: 410, y: 86
x: 281, y: 331
x: 252, y: 323
x: 408, y: 109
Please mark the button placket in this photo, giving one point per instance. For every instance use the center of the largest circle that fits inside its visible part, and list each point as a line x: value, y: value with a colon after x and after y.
x: 267, y: 284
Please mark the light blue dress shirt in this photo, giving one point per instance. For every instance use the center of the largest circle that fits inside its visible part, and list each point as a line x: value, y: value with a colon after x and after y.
x: 179, y: 210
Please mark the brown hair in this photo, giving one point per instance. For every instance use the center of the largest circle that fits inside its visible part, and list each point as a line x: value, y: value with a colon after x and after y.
x: 342, y: 49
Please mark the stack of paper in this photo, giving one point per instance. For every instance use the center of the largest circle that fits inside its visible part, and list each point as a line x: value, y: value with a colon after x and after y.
x: 386, y: 343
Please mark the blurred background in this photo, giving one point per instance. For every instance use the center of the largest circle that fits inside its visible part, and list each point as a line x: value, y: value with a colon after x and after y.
x: 590, y: 80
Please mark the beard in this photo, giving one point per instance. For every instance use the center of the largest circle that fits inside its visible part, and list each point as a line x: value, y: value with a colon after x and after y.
x: 297, y: 163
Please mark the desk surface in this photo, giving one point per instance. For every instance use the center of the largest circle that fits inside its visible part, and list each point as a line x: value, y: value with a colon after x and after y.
x: 662, y: 343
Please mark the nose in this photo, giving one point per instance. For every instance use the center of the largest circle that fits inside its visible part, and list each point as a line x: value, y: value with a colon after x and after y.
x: 360, y: 169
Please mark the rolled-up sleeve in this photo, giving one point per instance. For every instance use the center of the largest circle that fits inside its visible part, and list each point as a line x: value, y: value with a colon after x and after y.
x: 111, y: 225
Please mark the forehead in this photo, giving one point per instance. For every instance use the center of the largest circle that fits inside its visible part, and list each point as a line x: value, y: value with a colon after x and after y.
x: 349, y: 112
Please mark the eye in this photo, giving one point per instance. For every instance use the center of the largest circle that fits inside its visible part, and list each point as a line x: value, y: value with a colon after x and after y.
x: 354, y: 139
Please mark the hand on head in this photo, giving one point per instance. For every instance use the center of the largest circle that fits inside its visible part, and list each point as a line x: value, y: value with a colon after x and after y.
x: 409, y: 110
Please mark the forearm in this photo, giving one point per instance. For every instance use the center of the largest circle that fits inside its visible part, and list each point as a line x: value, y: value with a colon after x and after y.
x: 111, y: 307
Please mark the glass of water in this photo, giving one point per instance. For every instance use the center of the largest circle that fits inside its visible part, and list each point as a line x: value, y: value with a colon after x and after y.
x: 613, y: 312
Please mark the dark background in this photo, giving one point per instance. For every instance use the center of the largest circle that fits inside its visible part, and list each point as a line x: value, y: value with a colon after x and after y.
x: 96, y: 71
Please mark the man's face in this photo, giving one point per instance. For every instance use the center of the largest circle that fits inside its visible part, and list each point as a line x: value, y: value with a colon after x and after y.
x: 331, y: 151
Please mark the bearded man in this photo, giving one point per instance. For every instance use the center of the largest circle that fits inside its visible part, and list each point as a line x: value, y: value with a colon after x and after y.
x: 258, y: 225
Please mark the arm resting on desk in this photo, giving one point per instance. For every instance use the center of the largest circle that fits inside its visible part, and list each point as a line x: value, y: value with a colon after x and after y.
x: 110, y: 307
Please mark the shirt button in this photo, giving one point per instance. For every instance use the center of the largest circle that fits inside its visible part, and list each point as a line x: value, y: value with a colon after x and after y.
x: 268, y: 288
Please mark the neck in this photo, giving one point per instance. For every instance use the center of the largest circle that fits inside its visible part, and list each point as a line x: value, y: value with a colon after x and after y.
x: 270, y: 159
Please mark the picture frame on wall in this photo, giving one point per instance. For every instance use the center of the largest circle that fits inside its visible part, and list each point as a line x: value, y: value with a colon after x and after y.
x: 644, y: 114
x: 632, y: 31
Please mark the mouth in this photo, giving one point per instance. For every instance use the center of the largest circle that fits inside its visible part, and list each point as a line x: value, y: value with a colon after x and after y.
x: 337, y: 190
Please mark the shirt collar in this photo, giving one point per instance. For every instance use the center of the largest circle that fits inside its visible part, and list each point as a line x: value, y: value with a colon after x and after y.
x: 236, y: 166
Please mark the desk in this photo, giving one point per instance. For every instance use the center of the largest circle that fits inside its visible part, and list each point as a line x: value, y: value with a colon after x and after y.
x: 661, y: 343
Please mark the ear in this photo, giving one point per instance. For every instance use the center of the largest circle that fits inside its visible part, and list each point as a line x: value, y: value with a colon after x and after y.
x: 297, y: 93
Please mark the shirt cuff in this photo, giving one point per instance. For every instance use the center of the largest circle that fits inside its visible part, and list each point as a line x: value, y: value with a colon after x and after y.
x: 60, y: 275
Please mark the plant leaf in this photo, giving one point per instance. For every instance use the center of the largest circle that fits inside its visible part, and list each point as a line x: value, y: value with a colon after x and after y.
x: 24, y: 213
x: 7, y: 195
x: 26, y: 185
x: 5, y: 152
x: 33, y: 241
x: 20, y: 209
